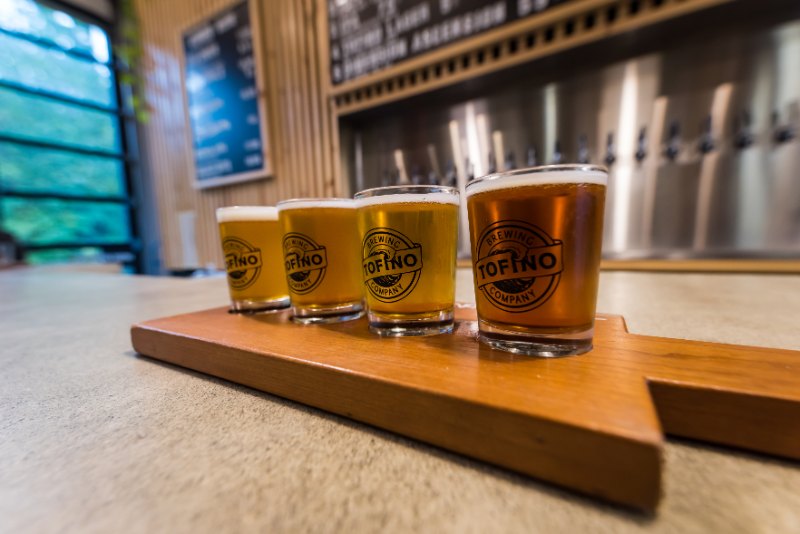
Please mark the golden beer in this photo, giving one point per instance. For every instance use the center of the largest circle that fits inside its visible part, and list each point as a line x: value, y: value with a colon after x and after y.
x: 320, y: 250
x: 251, y: 244
x: 536, y: 239
x: 408, y: 258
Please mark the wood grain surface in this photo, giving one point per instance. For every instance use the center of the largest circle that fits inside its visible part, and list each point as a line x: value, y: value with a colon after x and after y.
x: 593, y: 423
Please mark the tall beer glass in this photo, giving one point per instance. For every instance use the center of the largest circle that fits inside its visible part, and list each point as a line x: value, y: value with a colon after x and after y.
x: 321, y: 257
x: 251, y: 243
x: 408, y: 258
x: 536, y: 239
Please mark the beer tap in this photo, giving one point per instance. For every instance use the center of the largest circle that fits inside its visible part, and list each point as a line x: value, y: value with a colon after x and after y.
x: 511, y: 161
x: 450, y: 177
x: 557, y: 155
x: 492, y: 164
x: 706, y: 144
x: 610, y: 156
x: 781, y: 133
x: 674, y: 142
x: 416, y: 175
x: 531, y: 159
x: 469, y: 170
x: 743, y: 137
x: 641, y: 145
x: 583, y: 149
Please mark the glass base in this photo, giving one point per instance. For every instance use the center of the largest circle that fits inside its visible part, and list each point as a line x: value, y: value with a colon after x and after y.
x: 248, y: 306
x: 333, y: 314
x: 536, y: 343
x: 399, y: 325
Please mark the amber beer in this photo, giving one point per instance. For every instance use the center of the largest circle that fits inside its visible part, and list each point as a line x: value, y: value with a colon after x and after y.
x: 251, y: 244
x: 408, y: 258
x: 536, y: 240
x: 320, y: 248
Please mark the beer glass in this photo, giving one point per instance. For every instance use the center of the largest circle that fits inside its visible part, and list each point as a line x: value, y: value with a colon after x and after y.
x: 251, y: 244
x: 408, y: 258
x: 320, y: 249
x: 536, y: 239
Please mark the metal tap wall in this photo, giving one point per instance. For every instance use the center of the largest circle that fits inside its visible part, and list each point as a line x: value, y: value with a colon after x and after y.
x: 701, y: 135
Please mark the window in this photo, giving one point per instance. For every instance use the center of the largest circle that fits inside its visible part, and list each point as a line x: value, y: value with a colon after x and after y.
x: 64, y: 188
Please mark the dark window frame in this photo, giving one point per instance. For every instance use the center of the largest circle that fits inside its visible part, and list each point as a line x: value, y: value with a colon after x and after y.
x: 125, y: 129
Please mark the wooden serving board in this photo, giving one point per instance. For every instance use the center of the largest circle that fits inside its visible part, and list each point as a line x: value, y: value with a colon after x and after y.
x: 594, y: 423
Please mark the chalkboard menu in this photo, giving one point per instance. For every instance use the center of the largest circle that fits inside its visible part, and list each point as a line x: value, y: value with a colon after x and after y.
x: 228, y: 136
x: 367, y: 35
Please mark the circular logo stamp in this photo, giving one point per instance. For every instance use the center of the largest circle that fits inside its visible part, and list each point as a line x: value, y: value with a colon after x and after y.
x: 306, y: 262
x: 242, y: 262
x: 392, y: 264
x: 518, y: 265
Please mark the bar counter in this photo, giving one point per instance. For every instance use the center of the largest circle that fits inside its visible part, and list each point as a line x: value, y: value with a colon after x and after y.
x: 94, y: 438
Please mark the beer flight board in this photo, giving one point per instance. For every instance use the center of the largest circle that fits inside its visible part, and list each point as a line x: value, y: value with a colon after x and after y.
x: 367, y: 35
x: 223, y: 98
x: 594, y: 423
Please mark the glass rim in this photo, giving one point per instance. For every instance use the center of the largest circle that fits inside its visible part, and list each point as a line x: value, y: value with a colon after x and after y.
x: 561, y: 167
x: 315, y: 202
x: 409, y: 189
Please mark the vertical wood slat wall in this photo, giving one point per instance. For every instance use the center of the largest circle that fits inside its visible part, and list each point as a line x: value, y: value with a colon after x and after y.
x: 300, y: 130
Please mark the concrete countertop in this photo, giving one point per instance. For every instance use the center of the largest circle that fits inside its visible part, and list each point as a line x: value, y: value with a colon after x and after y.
x: 96, y: 439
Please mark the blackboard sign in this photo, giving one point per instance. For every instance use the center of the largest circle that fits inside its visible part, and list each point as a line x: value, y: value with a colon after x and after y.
x: 367, y: 35
x: 225, y: 110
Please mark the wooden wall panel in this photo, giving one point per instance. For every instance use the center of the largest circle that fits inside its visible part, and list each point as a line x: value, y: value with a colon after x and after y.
x: 302, y: 143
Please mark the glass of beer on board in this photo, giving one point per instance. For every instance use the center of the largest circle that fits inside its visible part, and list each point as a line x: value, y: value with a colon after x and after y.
x: 251, y: 244
x: 320, y: 248
x: 536, y: 238
x: 408, y: 258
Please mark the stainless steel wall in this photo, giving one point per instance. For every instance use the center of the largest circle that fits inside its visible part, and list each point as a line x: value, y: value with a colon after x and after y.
x: 700, y: 133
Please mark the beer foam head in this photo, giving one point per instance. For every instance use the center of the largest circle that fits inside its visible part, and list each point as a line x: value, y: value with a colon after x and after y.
x: 407, y: 195
x: 247, y: 213
x: 544, y: 175
x: 305, y: 203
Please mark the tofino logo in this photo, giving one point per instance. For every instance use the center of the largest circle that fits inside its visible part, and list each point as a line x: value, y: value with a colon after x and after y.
x: 392, y: 264
x: 519, y: 265
x: 305, y: 261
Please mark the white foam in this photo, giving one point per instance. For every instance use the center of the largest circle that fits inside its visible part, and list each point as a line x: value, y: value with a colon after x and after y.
x: 409, y: 198
x: 507, y: 181
x: 305, y: 203
x: 247, y: 213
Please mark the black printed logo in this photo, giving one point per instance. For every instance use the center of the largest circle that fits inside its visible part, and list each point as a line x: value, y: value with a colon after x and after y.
x: 242, y: 262
x: 392, y: 264
x: 518, y: 265
x: 306, y: 262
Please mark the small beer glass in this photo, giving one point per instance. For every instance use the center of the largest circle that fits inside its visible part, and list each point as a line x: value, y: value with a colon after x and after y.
x: 536, y: 239
x: 408, y: 258
x: 320, y: 249
x: 251, y: 244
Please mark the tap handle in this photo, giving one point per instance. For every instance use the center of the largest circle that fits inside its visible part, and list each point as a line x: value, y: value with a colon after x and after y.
x: 743, y: 136
x: 706, y: 139
x: 557, y: 153
x: 641, y: 145
x: 531, y: 160
x: 673, y: 143
x: 782, y: 133
x: 511, y: 161
x: 492, y: 163
x: 610, y: 156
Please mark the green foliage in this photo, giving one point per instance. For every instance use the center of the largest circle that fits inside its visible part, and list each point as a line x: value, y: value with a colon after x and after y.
x: 52, y: 221
x: 51, y: 70
x: 47, y: 120
x: 25, y: 169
